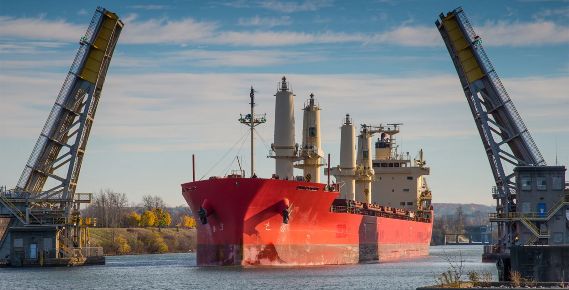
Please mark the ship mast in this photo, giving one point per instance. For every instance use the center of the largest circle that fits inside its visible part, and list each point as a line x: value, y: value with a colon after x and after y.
x: 252, y: 121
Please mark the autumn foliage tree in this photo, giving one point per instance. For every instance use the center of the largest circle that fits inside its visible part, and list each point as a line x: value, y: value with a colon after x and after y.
x: 188, y: 222
x: 133, y: 219
x: 148, y: 219
x: 163, y: 218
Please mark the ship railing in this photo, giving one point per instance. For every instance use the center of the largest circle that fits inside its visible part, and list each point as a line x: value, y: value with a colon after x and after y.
x: 392, y: 213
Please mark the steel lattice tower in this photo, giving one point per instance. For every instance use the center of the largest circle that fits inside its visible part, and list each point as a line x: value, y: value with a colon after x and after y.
x: 56, y: 159
x: 507, y: 142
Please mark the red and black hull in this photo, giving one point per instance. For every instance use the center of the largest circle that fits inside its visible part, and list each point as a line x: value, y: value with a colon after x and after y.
x: 245, y: 226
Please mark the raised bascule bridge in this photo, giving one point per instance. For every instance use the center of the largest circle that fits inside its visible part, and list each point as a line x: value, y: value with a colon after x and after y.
x: 40, y: 221
x: 532, y: 198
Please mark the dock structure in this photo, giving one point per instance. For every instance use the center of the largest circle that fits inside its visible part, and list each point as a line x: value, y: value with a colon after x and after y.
x: 532, y: 208
x: 40, y: 221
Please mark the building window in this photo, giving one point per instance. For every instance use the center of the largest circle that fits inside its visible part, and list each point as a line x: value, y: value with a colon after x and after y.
x: 541, y: 183
x: 402, y: 203
x: 557, y: 182
x: 558, y: 238
x: 406, y: 189
x: 396, y: 164
x: 409, y: 203
x: 18, y: 243
x: 312, y: 132
x: 525, y: 182
x: 409, y: 177
x: 365, y: 154
x: 383, y: 164
x: 526, y: 207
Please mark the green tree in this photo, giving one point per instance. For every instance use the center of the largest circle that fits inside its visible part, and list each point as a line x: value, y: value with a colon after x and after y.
x: 148, y: 219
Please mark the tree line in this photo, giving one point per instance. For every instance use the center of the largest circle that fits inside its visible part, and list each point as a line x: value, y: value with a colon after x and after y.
x: 456, y: 223
x: 112, y: 210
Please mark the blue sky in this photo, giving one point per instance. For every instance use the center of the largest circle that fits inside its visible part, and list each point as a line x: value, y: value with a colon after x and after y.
x: 180, y: 76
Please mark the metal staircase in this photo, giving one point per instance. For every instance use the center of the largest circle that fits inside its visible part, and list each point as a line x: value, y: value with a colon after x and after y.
x: 528, y: 219
x: 7, y: 203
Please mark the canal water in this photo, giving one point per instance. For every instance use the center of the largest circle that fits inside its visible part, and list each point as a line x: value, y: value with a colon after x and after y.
x: 178, y: 271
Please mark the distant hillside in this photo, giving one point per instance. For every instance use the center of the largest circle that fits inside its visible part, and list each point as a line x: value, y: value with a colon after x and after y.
x: 442, y: 209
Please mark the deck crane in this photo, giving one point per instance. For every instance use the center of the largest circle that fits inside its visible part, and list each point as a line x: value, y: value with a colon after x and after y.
x: 507, y: 142
x: 45, y: 198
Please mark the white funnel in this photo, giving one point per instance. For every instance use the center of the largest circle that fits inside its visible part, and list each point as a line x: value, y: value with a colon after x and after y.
x: 284, y: 146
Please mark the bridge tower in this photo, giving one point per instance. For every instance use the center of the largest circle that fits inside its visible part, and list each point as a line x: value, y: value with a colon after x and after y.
x: 45, y: 203
x: 520, y: 172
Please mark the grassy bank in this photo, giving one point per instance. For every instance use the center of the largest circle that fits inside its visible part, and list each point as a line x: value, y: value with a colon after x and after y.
x: 124, y: 241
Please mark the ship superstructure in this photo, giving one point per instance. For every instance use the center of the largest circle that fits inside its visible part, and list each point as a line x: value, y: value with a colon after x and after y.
x: 296, y: 220
x: 388, y: 177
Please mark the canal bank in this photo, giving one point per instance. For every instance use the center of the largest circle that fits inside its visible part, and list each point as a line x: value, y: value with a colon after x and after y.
x: 133, y: 241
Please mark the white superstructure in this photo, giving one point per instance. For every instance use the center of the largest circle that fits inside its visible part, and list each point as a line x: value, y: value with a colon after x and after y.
x: 390, y: 178
x: 399, y: 181
x: 284, y: 147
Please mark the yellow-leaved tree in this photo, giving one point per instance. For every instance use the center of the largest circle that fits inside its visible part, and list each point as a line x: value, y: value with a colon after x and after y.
x: 148, y: 219
x: 188, y: 222
x: 122, y: 246
x: 163, y: 218
x: 133, y: 219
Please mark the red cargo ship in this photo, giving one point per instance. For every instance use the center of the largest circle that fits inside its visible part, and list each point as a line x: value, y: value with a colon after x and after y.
x: 291, y: 220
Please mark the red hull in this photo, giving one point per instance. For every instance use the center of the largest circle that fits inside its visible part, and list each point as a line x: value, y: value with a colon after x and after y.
x: 245, y: 226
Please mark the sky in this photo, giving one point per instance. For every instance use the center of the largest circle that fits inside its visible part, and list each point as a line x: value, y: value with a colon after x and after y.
x: 181, y: 73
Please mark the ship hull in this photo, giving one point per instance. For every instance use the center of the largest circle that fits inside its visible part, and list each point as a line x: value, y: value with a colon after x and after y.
x: 245, y: 226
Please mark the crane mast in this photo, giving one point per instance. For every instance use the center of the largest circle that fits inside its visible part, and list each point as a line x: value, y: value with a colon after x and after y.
x: 251, y: 120
x: 506, y: 140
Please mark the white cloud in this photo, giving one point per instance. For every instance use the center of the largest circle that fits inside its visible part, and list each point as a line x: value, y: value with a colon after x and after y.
x: 245, y: 58
x: 189, y: 30
x: 493, y: 34
x: 149, y: 7
x: 282, y: 38
x: 29, y: 47
x: 290, y: 7
x: 548, y: 13
x: 40, y: 29
x: 266, y: 22
x: 33, y: 64
x: 417, y: 36
x: 166, y: 31
x: 142, y: 105
x: 523, y: 34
